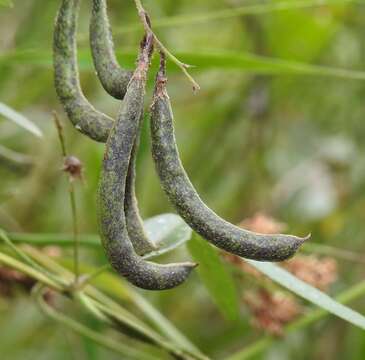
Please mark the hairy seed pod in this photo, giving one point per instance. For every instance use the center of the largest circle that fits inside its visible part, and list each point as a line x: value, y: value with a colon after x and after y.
x: 118, y: 247
x: 137, y: 234
x: 113, y: 78
x: 186, y: 200
x: 83, y: 115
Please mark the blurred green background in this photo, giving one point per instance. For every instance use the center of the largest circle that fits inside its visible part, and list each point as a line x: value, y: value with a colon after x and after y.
x: 266, y: 132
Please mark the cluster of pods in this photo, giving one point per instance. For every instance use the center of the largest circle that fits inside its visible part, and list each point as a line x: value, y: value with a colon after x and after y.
x: 121, y: 227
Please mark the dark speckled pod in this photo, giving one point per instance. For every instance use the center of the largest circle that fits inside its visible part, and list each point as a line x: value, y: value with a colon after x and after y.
x: 83, y: 115
x: 112, y: 221
x: 191, y: 208
x: 113, y: 78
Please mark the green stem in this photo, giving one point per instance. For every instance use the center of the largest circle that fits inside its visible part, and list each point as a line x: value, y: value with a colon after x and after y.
x: 64, y: 240
x: 76, y: 240
x: 33, y: 273
x: 124, y: 350
x: 313, y: 316
x: 75, y: 228
x: 22, y: 255
x: 125, y: 316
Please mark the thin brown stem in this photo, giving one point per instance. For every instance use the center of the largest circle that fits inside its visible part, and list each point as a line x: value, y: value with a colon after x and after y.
x: 75, y: 227
x: 147, y: 26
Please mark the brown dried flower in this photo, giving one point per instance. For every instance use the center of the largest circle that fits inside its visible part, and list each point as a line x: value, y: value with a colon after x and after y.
x: 271, y: 311
x: 73, y: 166
x: 263, y: 223
x: 10, y: 278
x: 319, y: 272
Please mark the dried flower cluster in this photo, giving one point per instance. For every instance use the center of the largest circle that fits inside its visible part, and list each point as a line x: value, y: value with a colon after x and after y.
x: 272, y: 310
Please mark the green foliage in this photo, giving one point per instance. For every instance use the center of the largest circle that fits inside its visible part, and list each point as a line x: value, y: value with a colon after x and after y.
x: 215, y: 276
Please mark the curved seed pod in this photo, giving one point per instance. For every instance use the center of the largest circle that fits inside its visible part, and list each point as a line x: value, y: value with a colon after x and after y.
x: 113, y: 78
x: 118, y: 247
x: 137, y: 234
x: 191, y: 208
x: 82, y: 114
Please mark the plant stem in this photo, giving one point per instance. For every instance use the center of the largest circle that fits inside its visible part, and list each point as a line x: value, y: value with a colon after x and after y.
x: 263, y: 344
x: 144, y: 18
x: 64, y: 240
x: 75, y: 232
x: 107, y: 342
x: 124, y: 316
x: 33, y: 273
x: 75, y: 228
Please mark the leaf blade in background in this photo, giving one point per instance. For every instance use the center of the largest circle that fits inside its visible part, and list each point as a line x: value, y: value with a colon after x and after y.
x: 215, y: 277
x: 209, y: 59
x: 167, y: 231
x: 20, y: 120
x: 229, y: 13
x: 308, y: 292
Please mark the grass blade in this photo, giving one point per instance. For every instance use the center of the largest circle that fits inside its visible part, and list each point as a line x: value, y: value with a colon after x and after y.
x: 19, y: 119
x: 309, y: 293
x: 215, y: 276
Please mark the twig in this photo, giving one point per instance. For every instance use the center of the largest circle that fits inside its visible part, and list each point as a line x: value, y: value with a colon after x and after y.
x: 146, y: 24
x: 75, y: 227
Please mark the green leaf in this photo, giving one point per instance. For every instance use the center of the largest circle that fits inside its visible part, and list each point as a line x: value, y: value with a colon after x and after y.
x: 215, y: 277
x: 311, y: 294
x: 20, y: 120
x: 167, y: 231
x: 202, y: 60
x: 228, y: 13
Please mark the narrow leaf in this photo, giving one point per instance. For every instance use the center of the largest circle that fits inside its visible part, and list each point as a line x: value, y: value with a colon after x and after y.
x: 19, y: 119
x: 228, y: 13
x: 311, y: 294
x: 220, y: 59
x: 215, y: 276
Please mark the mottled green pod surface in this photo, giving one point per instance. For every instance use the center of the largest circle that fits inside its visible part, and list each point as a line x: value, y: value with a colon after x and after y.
x: 191, y: 208
x: 116, y: 242
x: 82, y: 114
x: 141, y: 243
x: 113, y: 78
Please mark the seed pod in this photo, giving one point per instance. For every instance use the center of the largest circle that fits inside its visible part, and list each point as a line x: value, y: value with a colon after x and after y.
x: 113, y: 78
x: 82, y: 114
x: 186, y: 200
x: 118, y: 247
x: 141, y: 243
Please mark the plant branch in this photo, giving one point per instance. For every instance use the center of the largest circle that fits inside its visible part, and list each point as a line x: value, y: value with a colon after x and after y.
x: 147, y: 26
